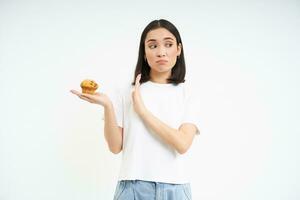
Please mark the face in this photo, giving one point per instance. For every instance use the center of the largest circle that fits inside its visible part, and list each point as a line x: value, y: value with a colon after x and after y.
x: 161, y: 50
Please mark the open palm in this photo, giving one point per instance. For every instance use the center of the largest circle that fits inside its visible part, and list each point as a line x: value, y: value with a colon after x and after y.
x: 97, y: 98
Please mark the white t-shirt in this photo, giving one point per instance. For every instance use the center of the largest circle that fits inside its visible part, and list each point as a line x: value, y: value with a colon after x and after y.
x: 145, y: 156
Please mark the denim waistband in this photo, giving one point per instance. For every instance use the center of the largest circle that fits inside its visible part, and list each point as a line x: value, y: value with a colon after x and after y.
x: 140, y: 189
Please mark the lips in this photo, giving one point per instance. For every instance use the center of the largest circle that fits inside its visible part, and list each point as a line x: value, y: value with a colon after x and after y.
x: 161, y: 61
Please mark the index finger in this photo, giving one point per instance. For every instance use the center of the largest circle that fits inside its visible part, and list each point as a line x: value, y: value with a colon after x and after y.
x: 75, y: 92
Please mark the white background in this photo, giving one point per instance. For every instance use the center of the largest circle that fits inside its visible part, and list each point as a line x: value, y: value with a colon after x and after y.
x: 242, y: 56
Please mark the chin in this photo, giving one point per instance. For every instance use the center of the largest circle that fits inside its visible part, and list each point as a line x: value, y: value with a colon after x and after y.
x: 163, y: 68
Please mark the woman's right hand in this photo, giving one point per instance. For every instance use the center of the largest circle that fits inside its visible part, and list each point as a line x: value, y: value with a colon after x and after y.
x: 97, y: 98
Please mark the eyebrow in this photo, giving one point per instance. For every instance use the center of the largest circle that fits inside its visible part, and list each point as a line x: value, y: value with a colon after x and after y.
x: 166, y: 38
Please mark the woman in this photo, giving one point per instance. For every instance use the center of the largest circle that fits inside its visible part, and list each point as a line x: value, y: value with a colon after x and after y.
x: 153, y: 120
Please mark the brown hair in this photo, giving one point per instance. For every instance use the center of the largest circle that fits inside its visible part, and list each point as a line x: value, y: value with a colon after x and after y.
x: 178, y: 71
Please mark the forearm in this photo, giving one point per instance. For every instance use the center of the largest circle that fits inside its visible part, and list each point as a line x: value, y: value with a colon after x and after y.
x: 112, y: 132
x: 169, y: 135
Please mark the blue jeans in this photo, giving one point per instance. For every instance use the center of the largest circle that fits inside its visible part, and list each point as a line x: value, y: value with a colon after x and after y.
x: 146, y: 190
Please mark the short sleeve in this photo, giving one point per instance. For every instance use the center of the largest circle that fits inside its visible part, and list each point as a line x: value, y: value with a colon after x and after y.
x: 117, y: 101
x: 192, y: 113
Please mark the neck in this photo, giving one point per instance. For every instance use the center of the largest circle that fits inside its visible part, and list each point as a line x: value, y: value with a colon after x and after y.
x: 159, y: 77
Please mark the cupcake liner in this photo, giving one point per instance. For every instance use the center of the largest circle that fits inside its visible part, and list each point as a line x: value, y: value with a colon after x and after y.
x: 88, y: 90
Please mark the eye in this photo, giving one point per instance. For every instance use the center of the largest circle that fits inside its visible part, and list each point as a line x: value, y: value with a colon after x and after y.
x: 169, y: 44
x: 152, y: 46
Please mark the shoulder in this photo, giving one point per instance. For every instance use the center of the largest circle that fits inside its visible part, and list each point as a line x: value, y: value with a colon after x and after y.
x: 123, y: 89
x: 187, y: 88
x: 191, y: 92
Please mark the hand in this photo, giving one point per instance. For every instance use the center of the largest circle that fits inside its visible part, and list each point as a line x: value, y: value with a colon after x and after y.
x: 97, y: 98
x: 138, y: 103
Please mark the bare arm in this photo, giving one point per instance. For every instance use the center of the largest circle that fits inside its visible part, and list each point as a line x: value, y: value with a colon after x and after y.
x: 112, y: 132
x: 180, y: 139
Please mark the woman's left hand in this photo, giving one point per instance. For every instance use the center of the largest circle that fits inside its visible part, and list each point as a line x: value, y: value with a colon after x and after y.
x: 137, y: 100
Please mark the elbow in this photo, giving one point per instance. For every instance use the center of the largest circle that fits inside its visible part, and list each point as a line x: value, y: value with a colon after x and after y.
x: 182, y: 149
x: 115, y: 150
x: 181, y: 146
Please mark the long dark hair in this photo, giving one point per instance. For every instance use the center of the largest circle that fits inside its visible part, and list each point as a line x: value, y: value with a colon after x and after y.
x: 178, y: 71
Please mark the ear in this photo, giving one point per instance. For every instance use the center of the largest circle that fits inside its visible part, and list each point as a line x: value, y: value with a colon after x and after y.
x: 179, y: 47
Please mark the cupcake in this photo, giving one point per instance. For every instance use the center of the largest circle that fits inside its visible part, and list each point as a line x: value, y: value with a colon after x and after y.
x: 88, y: 86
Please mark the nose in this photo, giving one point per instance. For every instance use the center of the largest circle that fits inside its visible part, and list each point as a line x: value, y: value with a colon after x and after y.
x: 161, y: 52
